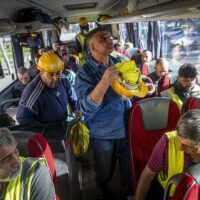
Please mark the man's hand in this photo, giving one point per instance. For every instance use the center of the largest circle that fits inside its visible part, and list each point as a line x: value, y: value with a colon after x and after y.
x: 110, y: 75
x: 78, y: 115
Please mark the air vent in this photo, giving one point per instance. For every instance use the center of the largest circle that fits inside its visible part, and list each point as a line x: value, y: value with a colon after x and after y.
x: 80, y: 6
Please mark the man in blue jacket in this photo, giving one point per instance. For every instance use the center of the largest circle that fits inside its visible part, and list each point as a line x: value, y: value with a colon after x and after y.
x: 104, y: 110
x: 45, y: 99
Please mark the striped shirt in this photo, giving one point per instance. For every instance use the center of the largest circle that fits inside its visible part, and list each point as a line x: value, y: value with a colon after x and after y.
x: 40, y: 104
x: 159, y: 158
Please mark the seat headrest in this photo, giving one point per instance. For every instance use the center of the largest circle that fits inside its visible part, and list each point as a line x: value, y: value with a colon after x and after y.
x: 198, y: 102
x: 22, y: 138
x: 154, y: 112
x: 195, y: 172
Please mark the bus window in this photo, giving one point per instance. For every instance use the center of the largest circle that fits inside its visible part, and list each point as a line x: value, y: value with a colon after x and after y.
x: 7, y: 62
x: 181, y: 41
x: 27, y: 56
x: 70, y: 33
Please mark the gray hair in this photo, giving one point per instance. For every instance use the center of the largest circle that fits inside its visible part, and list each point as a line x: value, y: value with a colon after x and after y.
x: 189, y: 125
x: 6, y: 137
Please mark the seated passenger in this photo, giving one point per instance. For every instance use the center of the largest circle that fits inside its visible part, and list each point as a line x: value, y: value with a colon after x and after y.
x: 23, y: 77
x: 161, y: 69
x: 6, y: 120
x: 46, y: 97
x: 68, y: 69
x: 41, y: 50
x: 56, y: 48
x: 184, y: 86
x: 146, y: 56
x: 22, y: 178
x: 33, y: 67
x: 67, y: 63
x: 173, y: 154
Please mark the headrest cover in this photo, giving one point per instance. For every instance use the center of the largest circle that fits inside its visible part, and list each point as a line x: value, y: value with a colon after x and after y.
x: 195, y: 172
x: 154, y: 113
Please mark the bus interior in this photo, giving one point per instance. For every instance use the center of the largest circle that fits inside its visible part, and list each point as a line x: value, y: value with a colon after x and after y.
x: 168, y: 28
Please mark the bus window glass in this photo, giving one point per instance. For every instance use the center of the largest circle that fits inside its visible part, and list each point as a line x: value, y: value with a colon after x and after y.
x: 6, y: 62
x: 181, y: 41
x: 70, y: 33
x: 123, y: 32
x: 27, y: 56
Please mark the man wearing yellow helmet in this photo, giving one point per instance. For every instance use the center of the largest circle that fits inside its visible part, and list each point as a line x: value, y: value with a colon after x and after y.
x: 104, y: 110
x: 45, y: 98
x: 80, y: 39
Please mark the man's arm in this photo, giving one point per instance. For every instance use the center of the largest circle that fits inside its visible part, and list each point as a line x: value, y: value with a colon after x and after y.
x: 110, y: 76
x: 26, y: 116
x: 42, y: 187
x: 144, y: 183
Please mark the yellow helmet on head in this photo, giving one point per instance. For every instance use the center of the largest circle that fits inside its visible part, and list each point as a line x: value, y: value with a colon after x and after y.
x: 50, y: 62
x: 83, y: 21
x: 130, y: 83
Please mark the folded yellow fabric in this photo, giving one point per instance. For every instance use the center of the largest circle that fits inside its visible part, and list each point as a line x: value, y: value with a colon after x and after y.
x: 130, y: 83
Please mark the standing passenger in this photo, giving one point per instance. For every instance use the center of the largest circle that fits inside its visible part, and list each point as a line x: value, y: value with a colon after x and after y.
x: 46, y: 97
x: 104, y: 111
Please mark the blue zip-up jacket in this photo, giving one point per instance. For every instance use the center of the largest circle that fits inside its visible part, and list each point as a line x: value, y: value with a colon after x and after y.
x: 40, y: 104
x: 107, y: 120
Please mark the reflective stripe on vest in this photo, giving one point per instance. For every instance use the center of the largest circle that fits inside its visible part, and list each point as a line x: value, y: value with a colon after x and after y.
x: 172, y: 95
x: 19, y: 189
x: 175, y: 160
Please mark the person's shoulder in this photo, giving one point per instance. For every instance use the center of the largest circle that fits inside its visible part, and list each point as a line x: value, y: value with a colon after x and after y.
x: 32, y: 91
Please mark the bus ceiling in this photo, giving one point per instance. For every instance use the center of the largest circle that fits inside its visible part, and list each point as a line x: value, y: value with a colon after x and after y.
x: 119, y: 11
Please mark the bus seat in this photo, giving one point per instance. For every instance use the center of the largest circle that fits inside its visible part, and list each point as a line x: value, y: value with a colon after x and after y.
x: 132, y: 52
x: 35, y: 145
x: 64, y: 160
x: 166, y: 82
x: 10, y: 107
x: 138, y: 59
x: 148, y: 120
x: 148, y: 67
x: 191, y: 103
x: 186, y: 185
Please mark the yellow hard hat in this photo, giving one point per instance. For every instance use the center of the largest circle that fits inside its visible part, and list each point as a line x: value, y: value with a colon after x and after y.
x: 83, y: 21
x: 50, y: 62
x: 80, y: 137
x: 130, y: 82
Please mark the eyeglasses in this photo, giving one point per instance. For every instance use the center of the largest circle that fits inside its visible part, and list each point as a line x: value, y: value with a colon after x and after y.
x: 188, y: 147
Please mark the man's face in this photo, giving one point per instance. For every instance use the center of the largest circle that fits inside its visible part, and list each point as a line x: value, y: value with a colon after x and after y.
x: 65, y: 58
x: 190, y: 147
x: 146, y: 56
x: 187, y: 83
x: 56, y: 47
x: 102, y: 43
x: 9, y: 162
x: 23, y: 78
x: 50, y: 79
x: 41, y: 51
x: 161, y: 69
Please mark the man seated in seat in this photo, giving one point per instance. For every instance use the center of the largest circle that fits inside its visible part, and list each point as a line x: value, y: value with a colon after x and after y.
x: 184, y: 86
x: 146, y: 56
x: 22, y: 178
x: 23, y: 77
x: 173, y: 154
x: 161, y: 69
x: 46, y: 98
